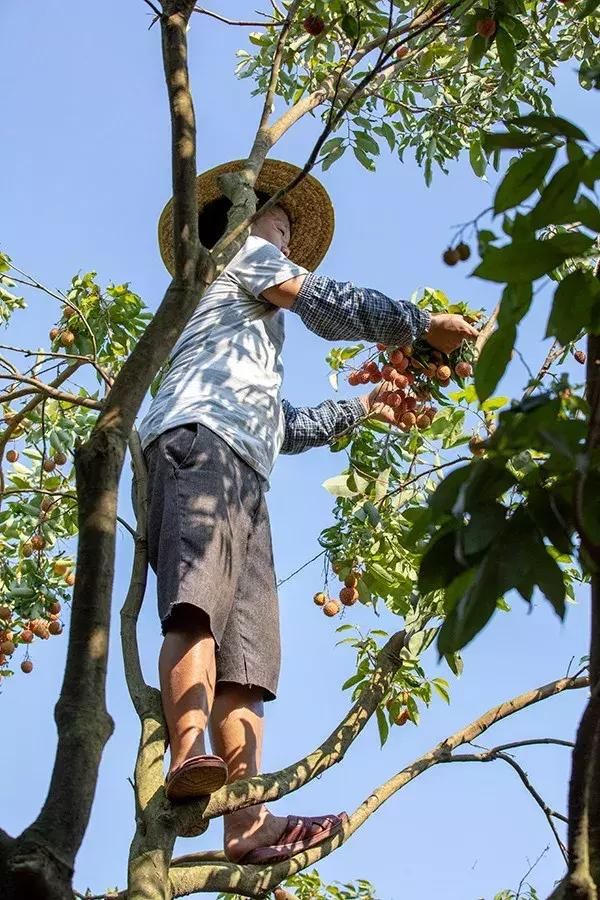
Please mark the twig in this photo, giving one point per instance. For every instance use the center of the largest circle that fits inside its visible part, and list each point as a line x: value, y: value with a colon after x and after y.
x: 157, y: 12
x: 295, y: 572
x: 536, y: 741
x: 276, y: 65
x: 529, y: 871
x: 494, y: 754
x: 60, y: 355
x: 55, y: 394
x: 554, y: 352
x: 23, y: 413
x: 213, y: 15
x: 486, y: 331
x: 405, y: 484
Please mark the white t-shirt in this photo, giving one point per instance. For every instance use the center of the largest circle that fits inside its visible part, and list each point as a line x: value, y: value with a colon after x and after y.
x: 225, y: 370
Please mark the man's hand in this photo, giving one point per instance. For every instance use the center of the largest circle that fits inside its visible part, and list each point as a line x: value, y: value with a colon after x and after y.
x: 447, y: 332
x: 374, y: 408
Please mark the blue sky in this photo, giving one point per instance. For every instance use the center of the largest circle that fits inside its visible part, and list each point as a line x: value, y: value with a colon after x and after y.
x: 85, y: 172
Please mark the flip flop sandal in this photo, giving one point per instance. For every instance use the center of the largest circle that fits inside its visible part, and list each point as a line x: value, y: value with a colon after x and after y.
x: 298, y: 835
x: 197, y: 777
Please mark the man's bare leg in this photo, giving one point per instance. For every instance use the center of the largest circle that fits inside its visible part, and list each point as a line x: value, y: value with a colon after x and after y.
x: 187, y: 682
x: 236, y: 731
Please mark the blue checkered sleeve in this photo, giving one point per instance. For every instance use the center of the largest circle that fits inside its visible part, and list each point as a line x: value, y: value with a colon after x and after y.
x: 315, y: 426
x: 340, y: 311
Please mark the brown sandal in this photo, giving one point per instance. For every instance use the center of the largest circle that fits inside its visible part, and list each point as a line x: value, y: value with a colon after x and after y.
x: 197, y: 777
x: 299, y: 834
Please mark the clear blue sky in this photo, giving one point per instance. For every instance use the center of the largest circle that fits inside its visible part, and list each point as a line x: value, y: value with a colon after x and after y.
x: 85, y: 172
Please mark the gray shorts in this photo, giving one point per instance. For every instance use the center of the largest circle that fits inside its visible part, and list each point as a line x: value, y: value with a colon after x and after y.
x: 209, y: 542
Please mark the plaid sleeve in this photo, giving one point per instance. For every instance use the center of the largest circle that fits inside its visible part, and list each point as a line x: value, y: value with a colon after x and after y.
x: 340, y: 311
x: 315, y: 426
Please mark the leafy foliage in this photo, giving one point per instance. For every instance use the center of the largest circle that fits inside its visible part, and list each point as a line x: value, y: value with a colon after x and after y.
x: 95, y: 332
x: 439, y: 98
x: 310, y: 886
x: 443, y: 554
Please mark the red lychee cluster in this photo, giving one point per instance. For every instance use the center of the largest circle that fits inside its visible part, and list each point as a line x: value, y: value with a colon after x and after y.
x: 348, y: 595
x: 14, y: 634
x: 412, y: 376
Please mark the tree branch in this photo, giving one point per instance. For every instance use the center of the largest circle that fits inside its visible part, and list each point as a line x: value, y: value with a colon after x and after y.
x: 49, y: 391
x: 256, y: 881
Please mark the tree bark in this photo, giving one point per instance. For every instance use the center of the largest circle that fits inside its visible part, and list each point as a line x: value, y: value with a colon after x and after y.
x: 582, y: 881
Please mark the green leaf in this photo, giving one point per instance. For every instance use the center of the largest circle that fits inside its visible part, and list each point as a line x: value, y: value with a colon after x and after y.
x: 587, y: 9
x: 575, y: 300
x: 485, y: 524
x: 550, y: 125
x: 477, y: 48
x: 333, y: 157
x: 591, y: 172
x: 510, y: 140
x: 515, y: 28
x: 367, y: 143
x: 441, y: 687
x: 505, y: 566
x: 382, y: 725
x: 522, y: 178
x: 507, y: 52
x: 588, y: 213
x: 549, y: 578
x: 350, y: 26
x: 467, y: 25
x: 331, y: 144
x: 557, y: 197
x: 527, y: 260
x: 439, y: 565
x: 464, y: 622
x: 455, y: 663
x: 338, y: 486
x: 363, y: 159
x: 446, y: 493
x: 477, y: 157
x: 354, y: 679
x: 388, y: 133
x: 552, y: 516
x: 493, y: 360
x: 515, y: 303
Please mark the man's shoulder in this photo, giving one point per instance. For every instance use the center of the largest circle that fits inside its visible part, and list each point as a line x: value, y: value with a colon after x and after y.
x: 256, y: 250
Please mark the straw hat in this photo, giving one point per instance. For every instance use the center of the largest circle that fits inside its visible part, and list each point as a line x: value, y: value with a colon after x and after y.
x: 308, y: 206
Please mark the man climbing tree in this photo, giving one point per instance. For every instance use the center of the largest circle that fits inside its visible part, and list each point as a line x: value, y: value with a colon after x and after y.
x: 211, y: 438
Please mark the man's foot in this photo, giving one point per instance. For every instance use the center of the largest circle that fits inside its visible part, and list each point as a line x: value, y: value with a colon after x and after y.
x: 262, y: 838
x: 197, y: 777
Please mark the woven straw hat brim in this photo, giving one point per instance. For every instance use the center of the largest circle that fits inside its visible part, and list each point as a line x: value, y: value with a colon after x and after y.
x: 308, y: 206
